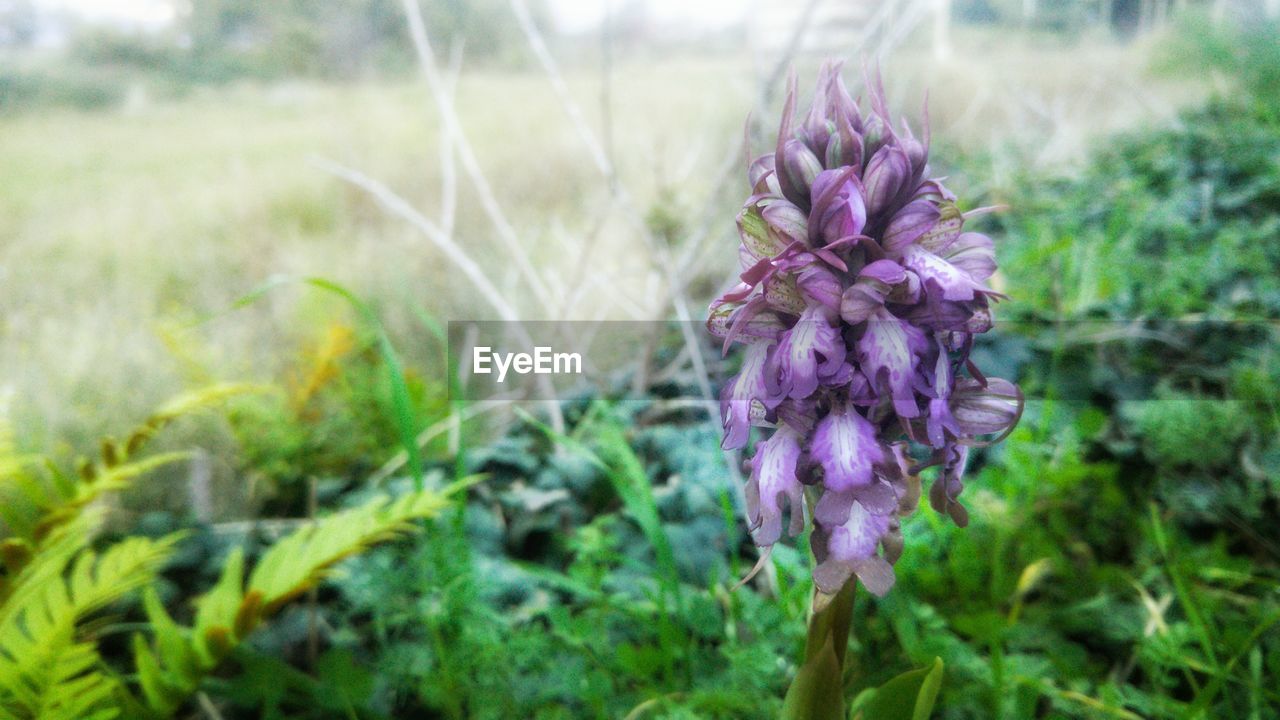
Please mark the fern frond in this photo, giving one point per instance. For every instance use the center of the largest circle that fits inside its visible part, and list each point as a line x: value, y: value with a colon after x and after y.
x: 43, y: 670
x: 109, y: 479
x: 33, y: 505
x: 51, y: 582
x: 171, y: 671
x: 185, y: 404
x: 78, y: 691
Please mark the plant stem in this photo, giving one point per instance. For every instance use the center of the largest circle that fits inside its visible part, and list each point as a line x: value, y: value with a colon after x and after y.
x: 831, y: 621
x: 817, y: 693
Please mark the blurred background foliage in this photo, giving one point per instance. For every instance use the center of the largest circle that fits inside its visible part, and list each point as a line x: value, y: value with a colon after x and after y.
x: 1123, y: 557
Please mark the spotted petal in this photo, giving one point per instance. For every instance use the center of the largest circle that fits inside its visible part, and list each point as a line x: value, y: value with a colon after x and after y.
x: 845, y: 444
x: 888, y: 352
x: 773, y: 482
x: 812, y: 347
x: 742, y: 400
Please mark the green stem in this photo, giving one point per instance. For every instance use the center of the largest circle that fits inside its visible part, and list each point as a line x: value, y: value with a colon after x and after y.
x: 831, y: 621
x: 817, y: 693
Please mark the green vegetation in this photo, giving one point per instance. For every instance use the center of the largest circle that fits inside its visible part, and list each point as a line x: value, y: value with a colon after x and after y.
x: 54, y: 582
x: 1123, y: 555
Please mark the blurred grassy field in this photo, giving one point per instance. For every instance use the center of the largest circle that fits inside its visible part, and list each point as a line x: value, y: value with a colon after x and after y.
x: 120, y: 228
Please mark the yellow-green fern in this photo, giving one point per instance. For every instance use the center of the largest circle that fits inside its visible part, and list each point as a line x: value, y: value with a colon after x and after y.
x: 52, y: 581
x: 170, y: 669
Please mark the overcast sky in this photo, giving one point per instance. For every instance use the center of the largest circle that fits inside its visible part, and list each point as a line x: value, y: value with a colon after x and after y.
x: 570, y: 15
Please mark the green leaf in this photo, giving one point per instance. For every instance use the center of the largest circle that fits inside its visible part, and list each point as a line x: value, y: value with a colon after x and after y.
x: 910, y: 696
x: 817, y: 693
x: 216, y: 611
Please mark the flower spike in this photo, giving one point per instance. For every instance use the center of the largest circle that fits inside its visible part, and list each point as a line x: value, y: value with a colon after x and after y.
x: 860, y: 293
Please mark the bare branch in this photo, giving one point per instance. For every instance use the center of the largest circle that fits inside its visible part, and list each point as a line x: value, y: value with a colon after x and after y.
x: 561, y: 88
x: 448, y: 167
x: 400, y: 207
x: 397, y: 205
x: 470, y: 165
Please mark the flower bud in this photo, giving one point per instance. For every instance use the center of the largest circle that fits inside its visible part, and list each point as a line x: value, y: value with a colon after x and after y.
x: 762, y: 176
x: 886, y: 174
x: 797, y: 172
x: 819, y: 285
x: 859, y: 302
x: 982, y: 410
x: 838, y: 207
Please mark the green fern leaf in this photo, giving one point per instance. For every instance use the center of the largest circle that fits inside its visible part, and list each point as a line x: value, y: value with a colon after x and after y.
x: 44, y: 672
x: 232, y: 609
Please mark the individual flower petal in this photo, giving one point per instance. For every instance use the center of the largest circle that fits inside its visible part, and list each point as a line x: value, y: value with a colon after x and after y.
x: 752, y: 322
x: 940, y: 420
x: 950, y: 282
x: 891, y: 282
x: 905, y: 483
x: 811, y: 347
x: 876, y: 575
x: 888, y: 353
x: 939, y: 315
x: 773, y: 481
x: 973, y: 254
x: 782, y: 294
x: 908, y: 225
x: 844, y: 444
x: 893, y: 544
x: 720, y: 316
x: 877, y: 497
x: 790, y: 223
x: 758, y: 242
x: 945, y: 492
x: 981, y: 321
x: 946, y: 229
x: 742, y: 399
x: 887, y: 272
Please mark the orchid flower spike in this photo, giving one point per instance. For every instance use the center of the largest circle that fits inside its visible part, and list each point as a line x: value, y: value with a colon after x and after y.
x: 859, y: 298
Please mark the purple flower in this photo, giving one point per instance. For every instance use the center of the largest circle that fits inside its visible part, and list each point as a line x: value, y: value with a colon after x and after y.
x: 888, y: 352
x: 850, y: 549
x: 773, y: 480
x: 742, y: 400
x: 859, y: 296
x: 811, y: 351
x: 845, y: 444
